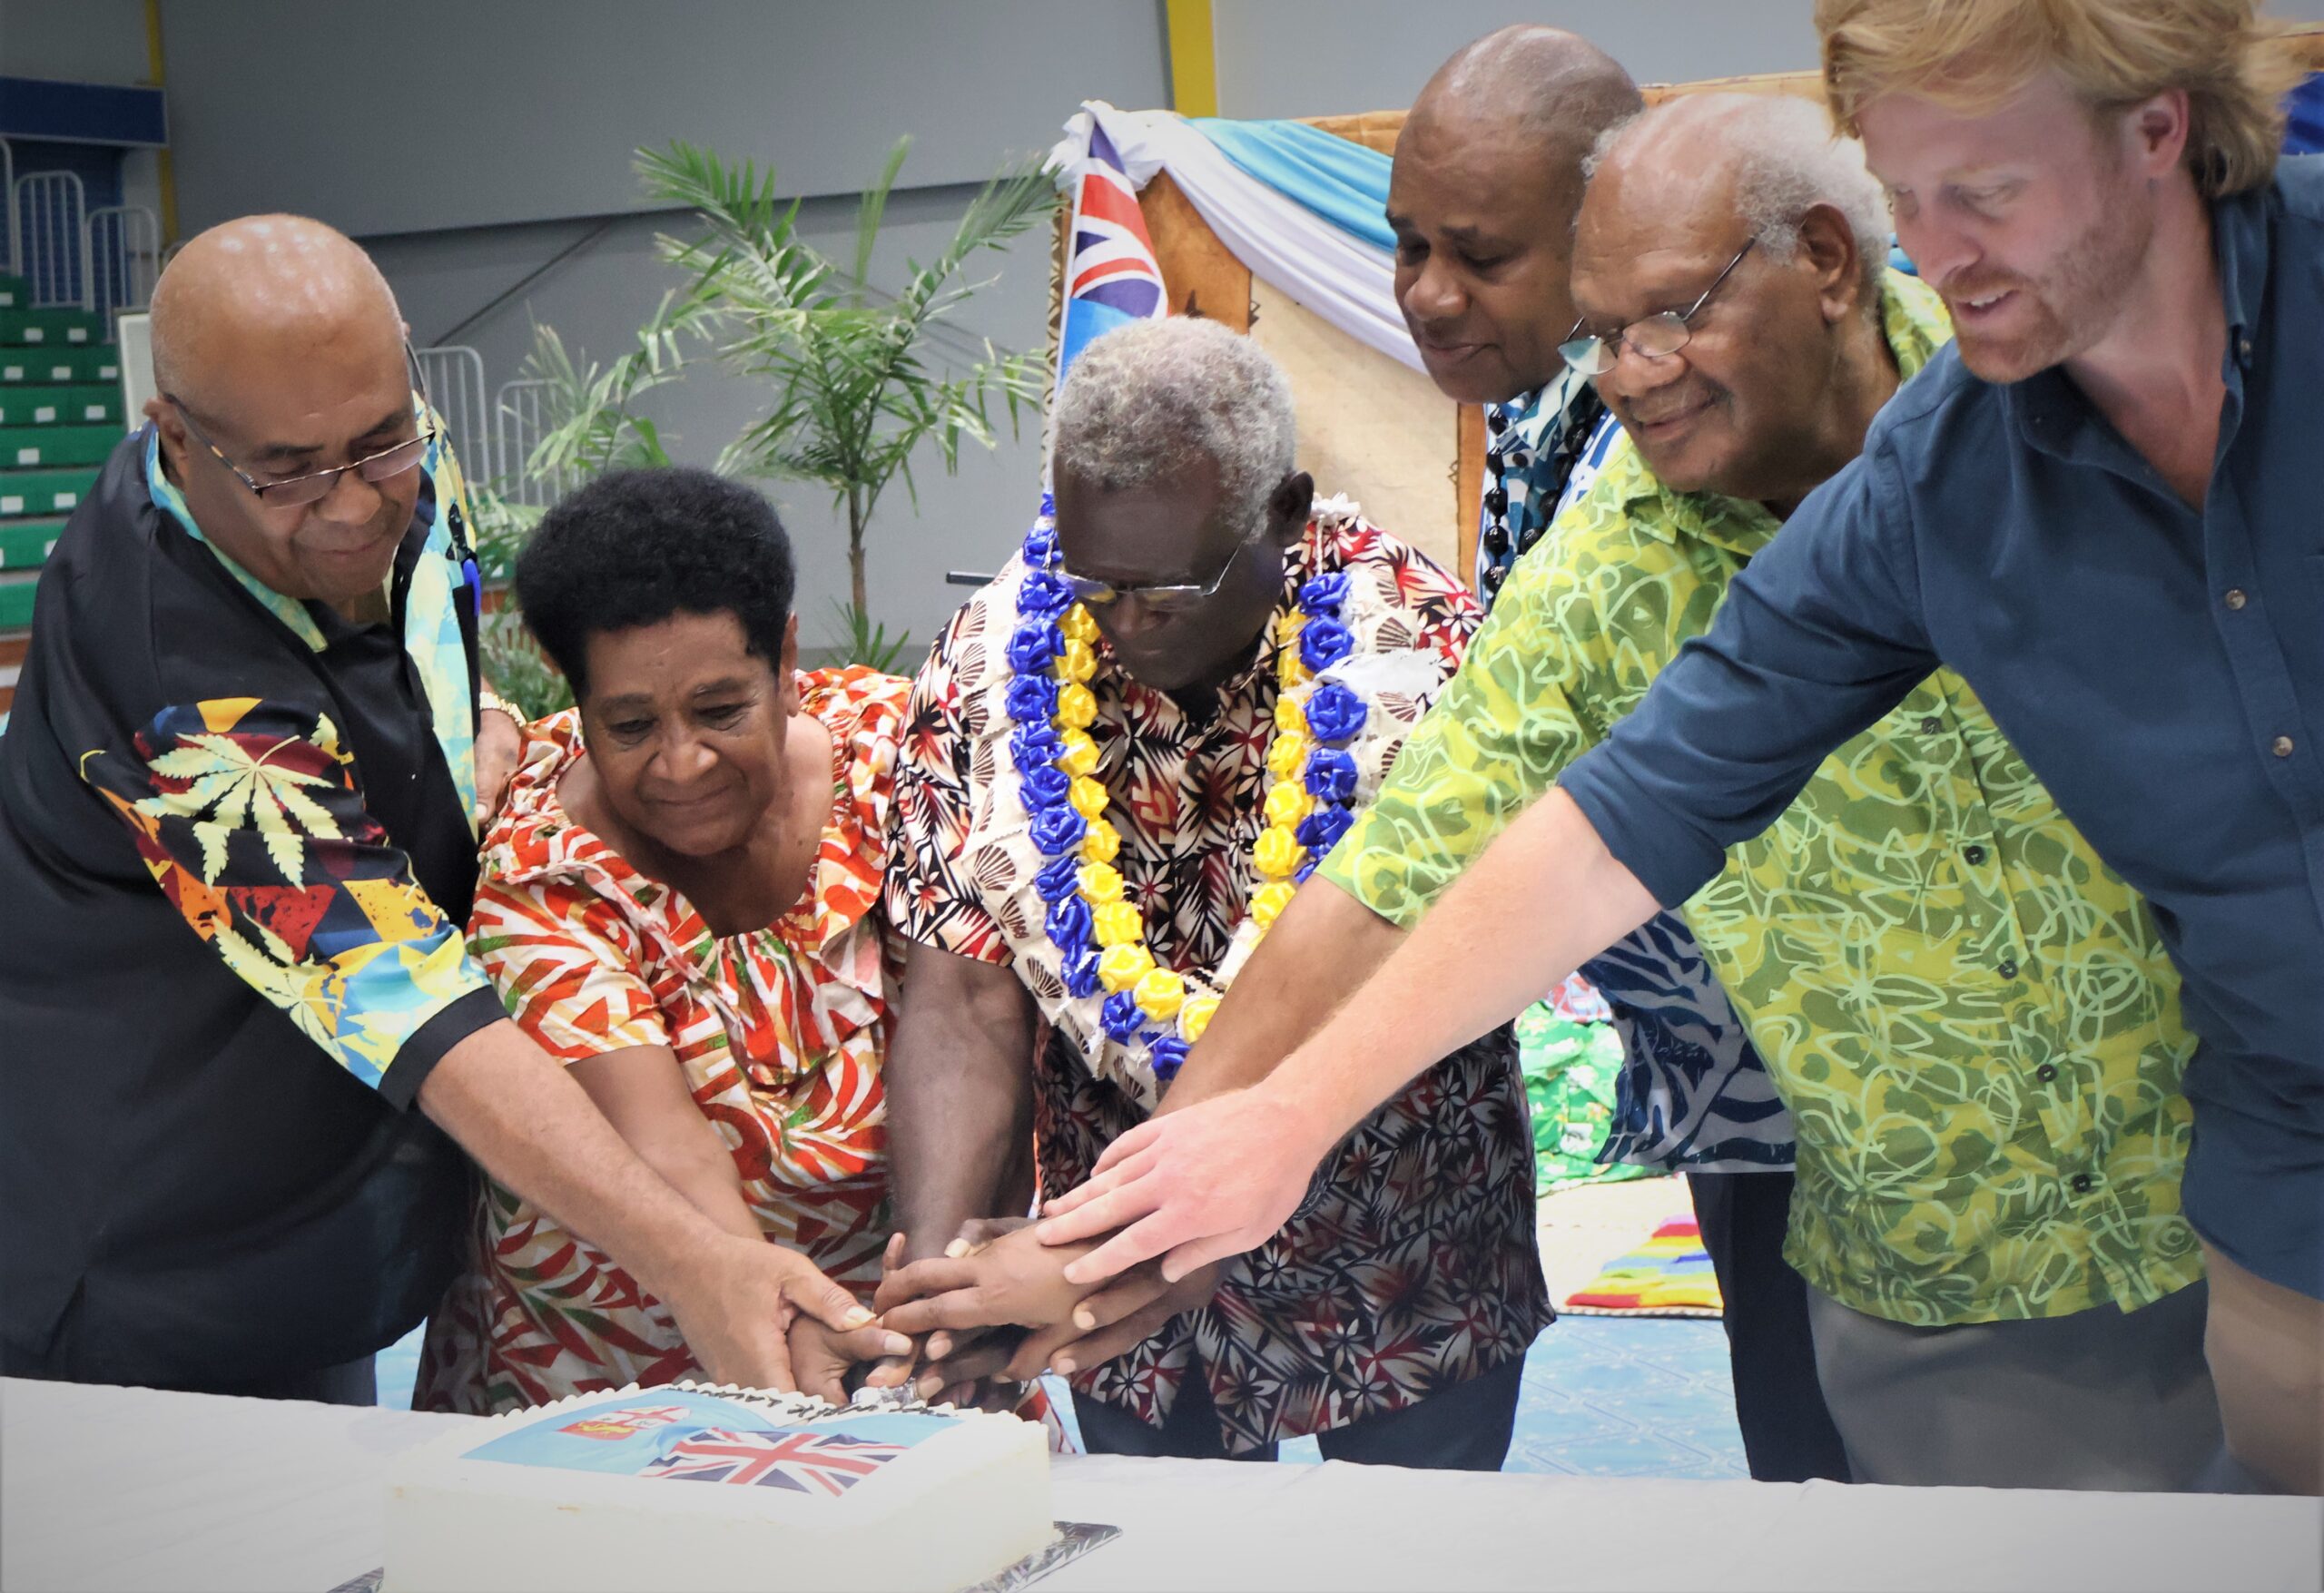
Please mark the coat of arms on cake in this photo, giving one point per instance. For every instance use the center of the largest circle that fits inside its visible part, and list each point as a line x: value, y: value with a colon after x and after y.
x: 577, y: 1495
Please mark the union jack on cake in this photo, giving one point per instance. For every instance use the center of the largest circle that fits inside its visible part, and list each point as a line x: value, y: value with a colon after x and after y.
x: 880, y: 1493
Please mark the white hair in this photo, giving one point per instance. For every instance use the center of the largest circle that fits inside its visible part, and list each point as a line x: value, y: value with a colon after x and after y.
x: 1787, y: 161
x: 1145, y: 400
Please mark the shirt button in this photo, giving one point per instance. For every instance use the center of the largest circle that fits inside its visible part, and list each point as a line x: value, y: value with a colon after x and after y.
x: 1931, y: 726
x: 2046, y: 1072
x: 2007, y: 967
x: 1974, y: 854
x: 2235, y: 598
x: 2082, y: 1182
x: 2281, y: 746
x: 2243, y: 346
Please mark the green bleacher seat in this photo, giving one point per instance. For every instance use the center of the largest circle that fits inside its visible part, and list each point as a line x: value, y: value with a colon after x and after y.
x: 24, y: 544
x: 13, y: 290
x: 42, y: 494
x: 51, y: 329
x: 83, y: 404
x: 40, y: 366
x: 45, y: 445
x: 17, y: 599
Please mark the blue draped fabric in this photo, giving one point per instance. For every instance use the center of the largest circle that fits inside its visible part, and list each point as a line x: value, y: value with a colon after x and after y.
x: 2305, y: 133
x: 1341, y: 181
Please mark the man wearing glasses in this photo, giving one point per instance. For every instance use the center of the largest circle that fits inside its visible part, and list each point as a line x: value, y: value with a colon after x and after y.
x: 2002, y: 1290
x: 1391, y: 1318
x: 238, y: 819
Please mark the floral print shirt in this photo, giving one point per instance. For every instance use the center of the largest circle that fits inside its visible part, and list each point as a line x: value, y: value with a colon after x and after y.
x: 780, y: 1033
x: 1413, y: 1265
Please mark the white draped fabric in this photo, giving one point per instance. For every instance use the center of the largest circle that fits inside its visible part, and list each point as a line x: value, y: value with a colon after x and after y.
x: 1346, y: 280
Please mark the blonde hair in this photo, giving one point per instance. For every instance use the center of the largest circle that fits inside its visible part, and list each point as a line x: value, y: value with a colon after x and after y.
x: 1970, y: 56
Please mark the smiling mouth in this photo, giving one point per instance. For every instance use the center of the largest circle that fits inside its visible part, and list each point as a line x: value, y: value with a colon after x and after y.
x: 1976, y: 306
x: 1665, y: 423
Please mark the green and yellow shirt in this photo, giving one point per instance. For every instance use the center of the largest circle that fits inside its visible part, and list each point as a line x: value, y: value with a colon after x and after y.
x: 1970, y: 1016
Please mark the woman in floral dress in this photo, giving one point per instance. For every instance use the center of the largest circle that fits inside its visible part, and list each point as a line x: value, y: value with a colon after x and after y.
x: 680, y: 900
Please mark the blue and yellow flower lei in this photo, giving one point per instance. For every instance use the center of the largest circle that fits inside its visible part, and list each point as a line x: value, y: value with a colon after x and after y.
x: 1312, y: 788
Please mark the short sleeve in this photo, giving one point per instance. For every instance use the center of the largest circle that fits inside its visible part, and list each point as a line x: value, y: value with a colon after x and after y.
x: 568, y: 965
x: 1816, y: 639
x: 247, y: 813
x: 1493, y: 740
x: 930, y: 895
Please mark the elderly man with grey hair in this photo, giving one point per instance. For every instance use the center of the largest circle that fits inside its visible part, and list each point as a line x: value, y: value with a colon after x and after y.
x: 1971, y: 1019
x: 1120, y: 759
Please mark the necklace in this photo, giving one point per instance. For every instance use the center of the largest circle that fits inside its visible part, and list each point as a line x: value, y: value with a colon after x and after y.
x: 1098, y: 935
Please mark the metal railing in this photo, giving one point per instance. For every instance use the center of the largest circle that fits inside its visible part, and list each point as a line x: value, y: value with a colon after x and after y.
x: 455, y: 375
x: 122, y: 258
x: 520, y: 420
x: 9, y: 233
x: 48, y: 209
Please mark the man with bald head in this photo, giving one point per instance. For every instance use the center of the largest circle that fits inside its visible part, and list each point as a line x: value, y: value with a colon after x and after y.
x: 2002, y: 1290
x: 238, y: 817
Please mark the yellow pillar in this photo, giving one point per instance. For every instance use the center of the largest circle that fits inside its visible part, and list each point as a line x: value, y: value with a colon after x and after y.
x: 165, y: 170
x: 1194, y: 57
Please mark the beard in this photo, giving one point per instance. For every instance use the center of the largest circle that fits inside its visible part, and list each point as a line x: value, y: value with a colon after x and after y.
x: 2062, y: 313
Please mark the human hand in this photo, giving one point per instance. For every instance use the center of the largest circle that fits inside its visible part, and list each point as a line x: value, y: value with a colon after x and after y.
x: 499, y: 743
x: 1011, y: 1281
x: 735, y: 1302
x: 1191, y: 1186
x: 821, y: 1358
x: 1114, y: 1321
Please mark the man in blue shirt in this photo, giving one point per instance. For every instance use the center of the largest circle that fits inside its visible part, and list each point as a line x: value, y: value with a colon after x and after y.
x: 2099, y: 509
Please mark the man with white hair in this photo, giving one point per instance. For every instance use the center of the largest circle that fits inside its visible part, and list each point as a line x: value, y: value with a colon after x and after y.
x: 1121, y: 757
x: 1987, y: 1208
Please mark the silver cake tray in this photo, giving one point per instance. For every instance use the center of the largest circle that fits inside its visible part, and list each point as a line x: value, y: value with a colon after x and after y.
x: 1074, y: 1539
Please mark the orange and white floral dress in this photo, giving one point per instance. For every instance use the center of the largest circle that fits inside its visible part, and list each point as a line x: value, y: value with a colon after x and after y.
x: 781, y: 1032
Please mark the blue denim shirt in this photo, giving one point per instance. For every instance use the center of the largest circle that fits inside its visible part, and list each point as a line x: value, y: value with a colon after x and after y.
x: 2160, y: 668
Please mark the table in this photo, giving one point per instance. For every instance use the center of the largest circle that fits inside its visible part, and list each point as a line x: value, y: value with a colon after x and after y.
x: 121, y: 1489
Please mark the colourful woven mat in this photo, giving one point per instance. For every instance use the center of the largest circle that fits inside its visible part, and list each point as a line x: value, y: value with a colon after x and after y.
x: 1668, y: 1275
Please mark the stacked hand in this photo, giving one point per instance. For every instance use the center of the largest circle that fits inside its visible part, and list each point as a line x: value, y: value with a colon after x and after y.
x: 766, y: 1317
x: 996, y: 1308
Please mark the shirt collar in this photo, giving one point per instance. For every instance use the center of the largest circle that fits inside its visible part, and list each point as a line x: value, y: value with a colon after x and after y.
x: 1914, y: 321
x: 1534, y: 415
x: 171, y: 502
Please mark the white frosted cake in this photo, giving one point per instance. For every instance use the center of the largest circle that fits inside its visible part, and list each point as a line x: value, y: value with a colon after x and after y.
x: 584, y: 1495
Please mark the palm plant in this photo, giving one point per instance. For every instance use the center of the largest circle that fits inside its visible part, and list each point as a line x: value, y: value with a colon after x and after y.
x: 854, y: 390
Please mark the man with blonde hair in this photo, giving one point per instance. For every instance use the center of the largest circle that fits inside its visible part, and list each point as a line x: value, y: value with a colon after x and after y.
x: 2097, y: 507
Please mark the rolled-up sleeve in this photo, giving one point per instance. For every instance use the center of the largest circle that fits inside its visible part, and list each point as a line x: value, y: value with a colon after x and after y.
x: 1816, y: 639
x: 248, y: 814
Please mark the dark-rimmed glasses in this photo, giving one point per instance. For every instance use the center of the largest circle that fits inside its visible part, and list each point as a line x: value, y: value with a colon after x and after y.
x: 1657, y: 337
x: 314, y: 487
x: 1094, y: 594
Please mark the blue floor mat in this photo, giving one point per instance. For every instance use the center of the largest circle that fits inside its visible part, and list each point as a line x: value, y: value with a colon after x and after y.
x: 1602, y: 1397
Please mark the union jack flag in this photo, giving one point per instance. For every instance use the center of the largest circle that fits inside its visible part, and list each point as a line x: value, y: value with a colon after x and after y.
x: 828, y: 1463
x: 1111, y: 277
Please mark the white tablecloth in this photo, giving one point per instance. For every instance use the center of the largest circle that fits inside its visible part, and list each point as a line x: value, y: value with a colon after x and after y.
x: 127, y: 1488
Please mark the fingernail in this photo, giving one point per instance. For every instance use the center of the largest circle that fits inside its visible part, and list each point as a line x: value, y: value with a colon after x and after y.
x: 896, y: 1344
x: 1063, y: 1366
x: 938, y: 1346
x: 858, y: 1317
x: 1083, y: 1318
x: 956, y: 1249
x: 1073, y: 1273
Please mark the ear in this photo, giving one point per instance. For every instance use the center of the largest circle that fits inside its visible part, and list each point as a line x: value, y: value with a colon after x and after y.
x: 2155, y: 132
x: 1288, y: 509
x: 170, y: 425
x: 786, y: 668
x: 1827, y: 247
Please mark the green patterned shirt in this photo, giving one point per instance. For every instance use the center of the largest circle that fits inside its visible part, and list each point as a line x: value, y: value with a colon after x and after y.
x: 1970, y: 1016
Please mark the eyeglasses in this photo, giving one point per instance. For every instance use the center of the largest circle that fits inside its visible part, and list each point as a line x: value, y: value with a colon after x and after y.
x: 313, y: 488
x: 1153, y: 599
x: 1657, y: 337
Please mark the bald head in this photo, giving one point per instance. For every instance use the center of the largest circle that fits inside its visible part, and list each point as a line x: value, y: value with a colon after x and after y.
x: 260, y: 285
x: 1481, y: 198
x: 1551, y: 88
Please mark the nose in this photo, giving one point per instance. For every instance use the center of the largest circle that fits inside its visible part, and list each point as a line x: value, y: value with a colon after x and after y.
x: 1634, y: 374
x: 683, y: 759
x: 352, y: 500
x: 1435, y: 295
x: 1938, y: 252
